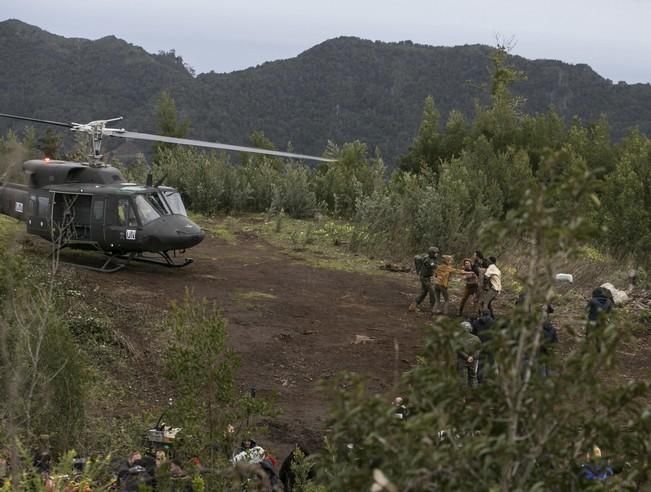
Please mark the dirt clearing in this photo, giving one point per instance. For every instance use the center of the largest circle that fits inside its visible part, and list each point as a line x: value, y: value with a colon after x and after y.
x: 292, y: 324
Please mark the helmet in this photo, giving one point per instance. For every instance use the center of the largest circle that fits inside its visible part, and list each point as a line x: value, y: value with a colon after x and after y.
x: 433, y: 251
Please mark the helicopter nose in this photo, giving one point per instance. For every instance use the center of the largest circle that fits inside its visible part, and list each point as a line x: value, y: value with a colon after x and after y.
x: 189, y: 235
x: 173, y: 232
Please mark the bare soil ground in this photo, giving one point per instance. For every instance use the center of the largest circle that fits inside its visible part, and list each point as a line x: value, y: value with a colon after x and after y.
x: 295, y: 319
x: 291, y: 323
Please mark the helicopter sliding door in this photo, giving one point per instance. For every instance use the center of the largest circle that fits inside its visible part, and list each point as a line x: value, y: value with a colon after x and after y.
x: 38, y: 214
x: 121, y: 225
x: 71, y: 214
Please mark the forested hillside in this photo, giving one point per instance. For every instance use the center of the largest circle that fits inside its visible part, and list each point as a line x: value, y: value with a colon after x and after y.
x: 341, y: 90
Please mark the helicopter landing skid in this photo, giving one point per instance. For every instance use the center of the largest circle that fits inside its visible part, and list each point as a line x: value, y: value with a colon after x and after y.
x: 107, y: 267
x: 166, y: 261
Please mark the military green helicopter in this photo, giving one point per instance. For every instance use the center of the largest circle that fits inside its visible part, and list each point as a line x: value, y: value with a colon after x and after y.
x: 90, y: 206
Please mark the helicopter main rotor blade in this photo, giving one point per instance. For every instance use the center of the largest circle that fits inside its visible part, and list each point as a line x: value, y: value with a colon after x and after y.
x: 211, y: 145
x: 37, y: 120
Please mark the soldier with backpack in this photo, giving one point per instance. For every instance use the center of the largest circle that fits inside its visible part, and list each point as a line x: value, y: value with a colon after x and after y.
x: 425, y: 267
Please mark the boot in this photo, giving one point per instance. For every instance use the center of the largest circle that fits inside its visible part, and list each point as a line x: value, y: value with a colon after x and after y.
x: 412, y: 307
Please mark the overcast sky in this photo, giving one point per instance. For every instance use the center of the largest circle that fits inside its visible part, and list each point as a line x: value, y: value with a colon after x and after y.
x: 612, y: 36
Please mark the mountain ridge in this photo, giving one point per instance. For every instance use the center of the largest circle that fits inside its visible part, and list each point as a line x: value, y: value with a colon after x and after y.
x: 342, y: 89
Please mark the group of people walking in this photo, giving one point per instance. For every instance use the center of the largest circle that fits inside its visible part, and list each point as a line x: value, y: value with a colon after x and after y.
x: 482, y: 281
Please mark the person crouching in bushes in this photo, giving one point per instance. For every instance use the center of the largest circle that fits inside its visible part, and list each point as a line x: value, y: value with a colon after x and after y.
x: 597, y: 468
x: 471, y: 287
x: 443, y: 272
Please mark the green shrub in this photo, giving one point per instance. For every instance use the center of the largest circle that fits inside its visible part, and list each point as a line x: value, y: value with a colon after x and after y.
x: 202, y: 369
x: 293, y: 192
x: 353, y: 176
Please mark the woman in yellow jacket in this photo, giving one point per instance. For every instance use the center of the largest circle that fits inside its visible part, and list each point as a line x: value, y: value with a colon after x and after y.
x: 443, y: 272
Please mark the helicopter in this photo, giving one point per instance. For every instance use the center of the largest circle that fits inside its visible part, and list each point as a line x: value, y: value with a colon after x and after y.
x: 91, y: 206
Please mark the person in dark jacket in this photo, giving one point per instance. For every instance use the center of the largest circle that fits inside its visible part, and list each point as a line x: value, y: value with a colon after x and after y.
x: 479, y: 262
x: 598, y: 308
x: 596, y: 468
x: 427, y: 268
x: 482, y: 327
x: 287, y: 475
x: 479, y: 266
x: 550, y: 337
x: 600, y: 304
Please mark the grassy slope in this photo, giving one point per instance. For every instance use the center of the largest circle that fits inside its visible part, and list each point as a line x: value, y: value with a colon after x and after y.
x: 324, y: 243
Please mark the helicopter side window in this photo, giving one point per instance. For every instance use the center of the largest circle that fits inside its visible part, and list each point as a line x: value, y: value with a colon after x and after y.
x: 43, y: 206
x: 126, y: 216
x: 32, y: 206
x: 98, y: 210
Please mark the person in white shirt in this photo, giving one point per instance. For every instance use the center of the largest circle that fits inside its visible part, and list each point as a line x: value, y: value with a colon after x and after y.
x: 494, y: 277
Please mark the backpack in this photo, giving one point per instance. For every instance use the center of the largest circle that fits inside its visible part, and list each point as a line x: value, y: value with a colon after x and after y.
x: 597, y: 306
x: 419, y: 262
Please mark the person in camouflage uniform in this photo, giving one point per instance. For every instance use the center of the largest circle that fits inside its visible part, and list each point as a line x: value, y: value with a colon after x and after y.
x: 468, y: 355
x: 427, y: 269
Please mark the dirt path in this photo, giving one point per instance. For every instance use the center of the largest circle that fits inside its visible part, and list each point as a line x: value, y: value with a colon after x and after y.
x: 292, y: 324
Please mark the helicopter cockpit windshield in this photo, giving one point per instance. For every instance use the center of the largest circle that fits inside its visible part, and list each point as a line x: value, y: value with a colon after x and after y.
x: 173, y: 200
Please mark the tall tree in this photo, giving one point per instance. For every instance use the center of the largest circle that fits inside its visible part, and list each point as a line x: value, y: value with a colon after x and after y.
x: 167, y: 117
x: 50, y: 143
x: 500, y: 121
x: 425, y: 150
x: 168, y: 122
